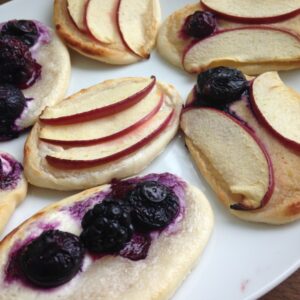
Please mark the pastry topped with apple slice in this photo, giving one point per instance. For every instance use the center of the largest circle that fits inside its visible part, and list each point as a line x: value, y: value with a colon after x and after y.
x: 112, y: 31
x: 133, y: 239
x: 29, y: 81
x: 254, y: 36
x: 111, y: 130
x: 13, y: 186
x: 244, y: 138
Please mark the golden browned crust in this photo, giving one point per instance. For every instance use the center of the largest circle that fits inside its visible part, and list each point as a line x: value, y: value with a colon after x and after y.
x: 115, y: 53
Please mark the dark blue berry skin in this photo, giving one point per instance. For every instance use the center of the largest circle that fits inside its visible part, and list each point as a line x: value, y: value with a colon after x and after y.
x: 52, y: 259
x: 154, y: 206
x: 17, y: 65
x: 23, y: 30
x: 200, y: 24
x: 12, y: 102
x: 219, y: 86
x: 106, y: 227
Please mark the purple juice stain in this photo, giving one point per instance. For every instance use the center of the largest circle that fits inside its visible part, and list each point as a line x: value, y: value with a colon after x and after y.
x: 12, y: 268
x: 10, y: 172
x: 78, y: 210
x: 137, y: 248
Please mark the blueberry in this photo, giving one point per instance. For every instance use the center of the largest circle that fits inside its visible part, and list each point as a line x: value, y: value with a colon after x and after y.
x: 17, y: 65
x: 221, y: 85
x: 12, y: 102
x: 154, y: 206
x: 106, y: 227
x: 24, y: 30
x: 199, y: 25
x: 52, y: 259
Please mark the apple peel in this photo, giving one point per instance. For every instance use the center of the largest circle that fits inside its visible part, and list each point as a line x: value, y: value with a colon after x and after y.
x: 253, y: 181
x: 253, y: 11
x: 277, y: 107
x: 61, y: 115
x: 52, y: 132
x: 220, y: 48
x: 69, y: 164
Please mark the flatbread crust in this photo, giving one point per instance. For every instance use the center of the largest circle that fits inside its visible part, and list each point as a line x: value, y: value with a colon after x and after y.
x: 115, y: 53
x: 170, y: 258
x: 40, y: 173
x: 171, y: 46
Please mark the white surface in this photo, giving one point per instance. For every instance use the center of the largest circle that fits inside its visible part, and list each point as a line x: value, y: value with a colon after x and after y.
x: 242, y: 260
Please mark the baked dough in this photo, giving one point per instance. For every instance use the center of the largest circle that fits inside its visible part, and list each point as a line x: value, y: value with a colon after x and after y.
x: 51, y: 87
x: 284, y: 204
x: 40, y: 173
x: 170, y: 258
x: 10, y: 198
x: 114, y: 53
x: 172, y: 46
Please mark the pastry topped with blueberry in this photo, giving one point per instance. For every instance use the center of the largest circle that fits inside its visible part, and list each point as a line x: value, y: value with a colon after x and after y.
x: 34, y: 73
x: 253, y: 36
x: 111, y: 130
x: 118, y: 32
x: 132, y: 239
x: 243, y: 134
x: 13, y: 186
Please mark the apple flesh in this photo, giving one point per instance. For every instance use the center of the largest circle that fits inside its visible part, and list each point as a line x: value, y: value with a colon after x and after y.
x: 137, y: 22
x: 240, y: 46
x: 277, y: 107
x: 234, y: 152
x: 104, y: 129
x: 253, y: 11
x: 87, y: 157
x: 76, y: 9
x: 91, y: 105
x: 101, y: 20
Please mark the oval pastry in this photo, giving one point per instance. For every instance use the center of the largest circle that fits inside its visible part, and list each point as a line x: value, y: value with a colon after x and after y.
x: 111, y: 130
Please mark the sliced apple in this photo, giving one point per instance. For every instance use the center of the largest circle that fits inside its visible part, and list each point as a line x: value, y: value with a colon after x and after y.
x: 277, y: 107
x: 86, y: 157
x: 104, y: 129
x: 138, y: 23
x: 253, y: 11
x: 76, y: 9
x: 101, y: 20
x: 95, y: 103
x: 245, y: 45
x: 234, y: 152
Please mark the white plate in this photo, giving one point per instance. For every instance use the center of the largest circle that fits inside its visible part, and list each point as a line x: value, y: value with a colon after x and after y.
x: 242, y: 260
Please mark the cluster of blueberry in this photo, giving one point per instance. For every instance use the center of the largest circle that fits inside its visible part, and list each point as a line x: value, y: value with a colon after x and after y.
x: 55, y: 256
x: 18, y: 70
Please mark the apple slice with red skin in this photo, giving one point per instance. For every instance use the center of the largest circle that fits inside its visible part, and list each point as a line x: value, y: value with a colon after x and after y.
x: 253, y: 11
x: 101, y: 20
x: 133, y: 25
x: 234, y: 151
x: 77, y: 111
x: 277, y: 107
x: 76, y: 10
x: 244, y: 45
x: 116, y: 149
x: 104, y: 129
